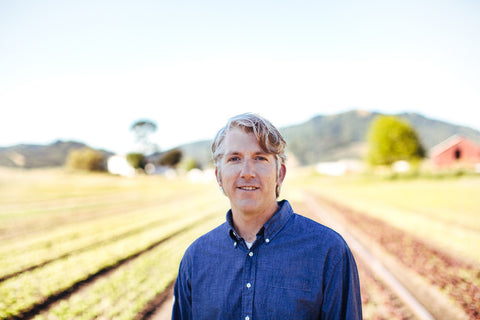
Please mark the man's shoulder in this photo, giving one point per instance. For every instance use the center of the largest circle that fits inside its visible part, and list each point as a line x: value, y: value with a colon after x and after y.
x: 304, y: 221
x: 208, y: 239
x: 301, y: 222
x: 213, y: 235
x: 317, y: 231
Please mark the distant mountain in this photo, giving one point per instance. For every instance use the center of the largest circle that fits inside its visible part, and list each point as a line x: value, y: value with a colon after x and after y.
x: 328, y: 138
x: 39, y: 156
x: 340, y: 136
x: 200, y: 151
x: 322, y: 138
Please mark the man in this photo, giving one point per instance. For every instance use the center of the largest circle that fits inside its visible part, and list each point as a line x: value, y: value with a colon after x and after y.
x: 265, y: 261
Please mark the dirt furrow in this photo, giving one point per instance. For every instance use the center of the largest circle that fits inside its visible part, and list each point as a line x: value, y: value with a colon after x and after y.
x: 65, y: 294
x: 424, y: 270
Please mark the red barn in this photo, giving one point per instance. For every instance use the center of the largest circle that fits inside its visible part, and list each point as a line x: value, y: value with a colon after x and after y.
x: 454, y: 151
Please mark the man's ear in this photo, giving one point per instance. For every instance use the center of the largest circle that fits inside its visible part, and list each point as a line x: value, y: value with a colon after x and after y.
x: 281, y: 174
x: 217, y: 175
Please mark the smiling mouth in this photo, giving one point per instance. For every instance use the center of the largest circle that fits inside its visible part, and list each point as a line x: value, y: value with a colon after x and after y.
x: 248, y: 188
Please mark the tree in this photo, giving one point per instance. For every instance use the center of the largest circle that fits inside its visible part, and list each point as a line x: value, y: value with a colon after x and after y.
x: 190, y: 163
x: 391, y: 139
x: 142, y: 130
x: 86, y: 159
x: 136, y: 160
x: 171, y: 158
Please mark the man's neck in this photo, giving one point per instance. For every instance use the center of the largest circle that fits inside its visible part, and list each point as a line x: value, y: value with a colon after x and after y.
x: 248, y: 225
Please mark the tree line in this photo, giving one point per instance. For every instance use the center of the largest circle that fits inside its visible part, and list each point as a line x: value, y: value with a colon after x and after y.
x: 389, y: 139
x: 88, y: 159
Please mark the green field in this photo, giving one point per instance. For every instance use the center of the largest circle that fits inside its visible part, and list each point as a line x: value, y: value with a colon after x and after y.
x: 123, y: 237
x: 91, y: 246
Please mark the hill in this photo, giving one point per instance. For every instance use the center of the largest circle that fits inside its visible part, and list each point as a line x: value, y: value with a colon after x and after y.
x: 39, y: 156
x: 322, y: 138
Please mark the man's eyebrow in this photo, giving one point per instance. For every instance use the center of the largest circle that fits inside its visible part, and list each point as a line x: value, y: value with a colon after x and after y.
x: 232, y: 153
x: 257, y: 153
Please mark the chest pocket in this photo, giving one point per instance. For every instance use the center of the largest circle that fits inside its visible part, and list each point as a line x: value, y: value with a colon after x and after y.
x: 286, y: 294
x: 287, y: 278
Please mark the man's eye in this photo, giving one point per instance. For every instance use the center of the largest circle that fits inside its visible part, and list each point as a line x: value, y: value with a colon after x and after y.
x: 232, y: 159
x: 260, y: 158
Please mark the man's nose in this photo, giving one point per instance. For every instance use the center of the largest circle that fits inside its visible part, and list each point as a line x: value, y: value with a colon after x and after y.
x: 248, y: 171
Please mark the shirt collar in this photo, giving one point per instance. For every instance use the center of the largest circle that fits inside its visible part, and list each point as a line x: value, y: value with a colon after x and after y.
x: 271, y: 228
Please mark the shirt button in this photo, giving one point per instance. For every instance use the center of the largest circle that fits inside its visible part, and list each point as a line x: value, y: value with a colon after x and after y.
x: 247, y: 318
x: 235, y: 244
x: 267, y: 240
x: 250, y: 254
x: 249, y: 285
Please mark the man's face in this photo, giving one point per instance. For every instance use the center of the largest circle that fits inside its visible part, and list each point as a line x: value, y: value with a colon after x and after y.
x: 248, y: 175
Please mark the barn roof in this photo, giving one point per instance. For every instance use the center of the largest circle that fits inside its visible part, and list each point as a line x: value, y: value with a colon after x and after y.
x: 447, y: 144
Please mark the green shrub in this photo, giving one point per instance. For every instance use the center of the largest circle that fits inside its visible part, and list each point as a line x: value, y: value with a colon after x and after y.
x: 136, y: 160
x: 171, y: 158
x: 86, y: 159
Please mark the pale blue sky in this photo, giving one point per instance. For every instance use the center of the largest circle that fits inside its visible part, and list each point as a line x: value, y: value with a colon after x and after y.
x: 86, y: 70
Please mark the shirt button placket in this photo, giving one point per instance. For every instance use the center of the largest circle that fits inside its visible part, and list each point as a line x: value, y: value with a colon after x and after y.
x: 248, y: 289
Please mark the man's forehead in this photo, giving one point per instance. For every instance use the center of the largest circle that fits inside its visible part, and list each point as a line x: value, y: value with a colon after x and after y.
x: 246, y: 148
x: 238, y: 134
x: 238, y: 140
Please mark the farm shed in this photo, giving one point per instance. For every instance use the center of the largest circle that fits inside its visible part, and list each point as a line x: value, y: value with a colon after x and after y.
x: 456, y: 150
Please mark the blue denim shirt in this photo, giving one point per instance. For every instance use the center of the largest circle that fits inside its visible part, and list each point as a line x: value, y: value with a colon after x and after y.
x: 296, y: 269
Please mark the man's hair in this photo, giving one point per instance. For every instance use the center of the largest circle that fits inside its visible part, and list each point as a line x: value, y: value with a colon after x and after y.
x: 268, y: 137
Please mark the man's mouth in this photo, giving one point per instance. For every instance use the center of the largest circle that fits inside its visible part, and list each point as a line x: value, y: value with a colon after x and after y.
x: 248, y: 188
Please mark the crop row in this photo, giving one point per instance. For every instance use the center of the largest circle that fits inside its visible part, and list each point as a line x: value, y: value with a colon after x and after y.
x: 60, y: 226
x: 54, y: 214
x: 378, y: 302
x: 29, y: 289
x: 38, y: 250
x: 455, y: 278
x: 126, y: 291
x: 43, y: 206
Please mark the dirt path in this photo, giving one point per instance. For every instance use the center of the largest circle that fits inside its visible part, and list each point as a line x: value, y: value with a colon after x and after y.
x: 374, y: 264
x: 406, y: 258
x: 164, y: 312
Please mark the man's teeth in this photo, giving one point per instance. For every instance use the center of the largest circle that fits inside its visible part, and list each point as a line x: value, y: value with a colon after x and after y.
x: 248, y: 188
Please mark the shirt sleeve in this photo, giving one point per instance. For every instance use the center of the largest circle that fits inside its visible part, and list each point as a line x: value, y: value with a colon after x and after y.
x: 182, y: 297
x: 342, y: 299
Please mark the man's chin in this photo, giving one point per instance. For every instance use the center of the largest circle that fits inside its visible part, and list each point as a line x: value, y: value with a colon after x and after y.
x: 248, y: 206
